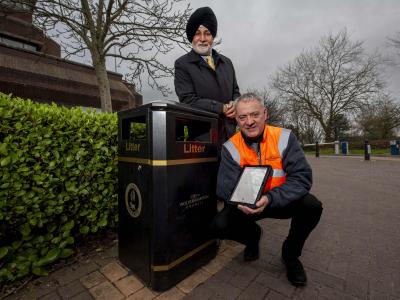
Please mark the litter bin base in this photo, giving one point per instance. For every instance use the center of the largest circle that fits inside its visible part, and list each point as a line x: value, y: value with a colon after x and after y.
x: 164, y: 277
x: 167, y: 276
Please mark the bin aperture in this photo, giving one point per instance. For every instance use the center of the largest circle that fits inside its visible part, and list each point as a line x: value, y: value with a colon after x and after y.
x: 134, y: 128
x: 192, y: 130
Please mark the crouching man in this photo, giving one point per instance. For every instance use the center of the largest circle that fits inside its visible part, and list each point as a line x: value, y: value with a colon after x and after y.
x: 287, y: 192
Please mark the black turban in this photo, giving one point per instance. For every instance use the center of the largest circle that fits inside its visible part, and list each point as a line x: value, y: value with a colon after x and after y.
x: 202, y: 16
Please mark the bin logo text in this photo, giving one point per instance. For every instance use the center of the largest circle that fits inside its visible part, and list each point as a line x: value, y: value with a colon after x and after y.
x: 195, y: 200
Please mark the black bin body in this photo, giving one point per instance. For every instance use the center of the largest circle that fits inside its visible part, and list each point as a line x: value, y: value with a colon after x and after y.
x: 167, y: 180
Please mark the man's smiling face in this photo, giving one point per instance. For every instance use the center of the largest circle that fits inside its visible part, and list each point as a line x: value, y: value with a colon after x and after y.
x: 251, y: 117
x: 202, y: 41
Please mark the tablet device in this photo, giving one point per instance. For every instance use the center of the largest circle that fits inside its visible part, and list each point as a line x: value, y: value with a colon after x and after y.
x: 250, y: 185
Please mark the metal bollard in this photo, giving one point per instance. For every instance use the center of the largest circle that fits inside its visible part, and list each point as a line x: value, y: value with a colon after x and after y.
x: 316, y: 149
x: 336, y: 147
x: 367, y: 151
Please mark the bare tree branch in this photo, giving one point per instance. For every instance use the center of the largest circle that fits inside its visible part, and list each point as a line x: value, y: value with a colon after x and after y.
x: 330, y: 81
x: 395, y: 41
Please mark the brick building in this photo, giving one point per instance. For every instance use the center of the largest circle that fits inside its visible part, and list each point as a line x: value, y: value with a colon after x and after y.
x: 31, y: 67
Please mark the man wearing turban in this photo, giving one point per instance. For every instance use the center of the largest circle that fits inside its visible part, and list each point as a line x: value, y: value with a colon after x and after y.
x: 204, y: 78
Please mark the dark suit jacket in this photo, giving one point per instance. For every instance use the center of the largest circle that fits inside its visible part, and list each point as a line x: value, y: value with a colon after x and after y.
x: 200, y: 86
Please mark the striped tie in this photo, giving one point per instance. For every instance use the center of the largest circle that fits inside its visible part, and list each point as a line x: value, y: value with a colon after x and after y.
x: 210, y: 62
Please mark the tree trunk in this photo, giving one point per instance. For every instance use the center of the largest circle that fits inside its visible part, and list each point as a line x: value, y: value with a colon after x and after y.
x: 104, y: 84
x: 329, y: 133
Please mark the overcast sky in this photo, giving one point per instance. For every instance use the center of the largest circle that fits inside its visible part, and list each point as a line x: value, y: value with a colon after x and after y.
x: 261, y: 35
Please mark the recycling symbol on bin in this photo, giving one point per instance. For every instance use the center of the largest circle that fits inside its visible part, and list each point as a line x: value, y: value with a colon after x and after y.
x: 133, y: 200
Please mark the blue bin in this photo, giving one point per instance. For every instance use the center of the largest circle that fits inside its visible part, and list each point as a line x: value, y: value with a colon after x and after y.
x: 395, y: 147
x: 345, y: 147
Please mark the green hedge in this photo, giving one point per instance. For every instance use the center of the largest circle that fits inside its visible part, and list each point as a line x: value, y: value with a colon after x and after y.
x: 58, y: 182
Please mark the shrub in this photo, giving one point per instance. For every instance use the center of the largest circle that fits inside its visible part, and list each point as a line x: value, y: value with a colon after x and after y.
x: 58, y: 182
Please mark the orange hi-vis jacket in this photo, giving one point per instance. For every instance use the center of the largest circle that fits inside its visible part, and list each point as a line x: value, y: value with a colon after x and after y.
x: 272, y: 146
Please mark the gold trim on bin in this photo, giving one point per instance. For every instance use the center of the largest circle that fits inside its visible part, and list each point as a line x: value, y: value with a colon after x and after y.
x: 170, y: 162
x: 181, y: 259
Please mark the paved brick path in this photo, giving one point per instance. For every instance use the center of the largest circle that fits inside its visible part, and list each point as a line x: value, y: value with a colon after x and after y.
x: 354, y: 253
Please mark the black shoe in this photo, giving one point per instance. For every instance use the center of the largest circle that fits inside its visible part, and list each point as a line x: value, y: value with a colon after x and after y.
x: 251, y: 253
x: 295, y: 271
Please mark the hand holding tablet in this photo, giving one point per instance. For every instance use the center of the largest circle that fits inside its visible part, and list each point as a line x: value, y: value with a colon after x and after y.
x: 250, y: 185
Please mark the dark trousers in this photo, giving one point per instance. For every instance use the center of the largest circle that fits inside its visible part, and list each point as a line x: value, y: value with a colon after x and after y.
x: 231, y: 223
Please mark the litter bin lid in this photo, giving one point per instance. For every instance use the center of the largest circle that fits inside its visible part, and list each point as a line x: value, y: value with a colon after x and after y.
x: 169, y: 105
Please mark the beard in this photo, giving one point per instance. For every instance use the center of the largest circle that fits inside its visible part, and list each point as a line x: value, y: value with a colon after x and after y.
x: 202, y: 48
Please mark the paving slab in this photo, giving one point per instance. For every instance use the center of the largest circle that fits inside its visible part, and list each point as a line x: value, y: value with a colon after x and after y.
x: 352, y: 254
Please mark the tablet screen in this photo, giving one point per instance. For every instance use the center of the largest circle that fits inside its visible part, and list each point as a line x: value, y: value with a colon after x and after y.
x: 249, y: 185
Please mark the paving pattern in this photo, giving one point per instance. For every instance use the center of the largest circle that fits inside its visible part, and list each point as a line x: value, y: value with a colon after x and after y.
x: 354, y: 253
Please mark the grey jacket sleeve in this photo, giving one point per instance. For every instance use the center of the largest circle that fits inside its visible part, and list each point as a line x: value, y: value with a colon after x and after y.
x: 298, y: 176
x: 228, y: 174
x: 185, y: 90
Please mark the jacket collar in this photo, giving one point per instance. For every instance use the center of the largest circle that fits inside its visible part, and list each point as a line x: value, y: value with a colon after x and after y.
x: 194, y: 57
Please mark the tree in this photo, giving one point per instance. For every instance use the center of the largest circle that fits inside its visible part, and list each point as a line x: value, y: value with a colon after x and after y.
x: 305, y: 127
x: 378, y: 119
x: 395, y: 41
x: 132, y: 31
x: 341, y: 124
x: 333, y: 79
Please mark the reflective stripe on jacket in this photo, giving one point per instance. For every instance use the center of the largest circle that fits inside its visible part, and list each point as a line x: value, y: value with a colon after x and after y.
x: 272, y: 146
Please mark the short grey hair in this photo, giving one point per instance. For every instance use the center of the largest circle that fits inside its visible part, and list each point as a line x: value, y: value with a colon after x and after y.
x: 249, y: 97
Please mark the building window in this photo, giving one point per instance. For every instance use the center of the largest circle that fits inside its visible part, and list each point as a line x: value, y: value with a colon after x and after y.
x: 17, y: 44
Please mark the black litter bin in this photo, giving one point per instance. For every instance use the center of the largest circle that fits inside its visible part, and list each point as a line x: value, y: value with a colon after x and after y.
x: 167, y: 180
